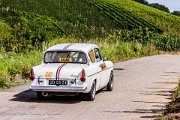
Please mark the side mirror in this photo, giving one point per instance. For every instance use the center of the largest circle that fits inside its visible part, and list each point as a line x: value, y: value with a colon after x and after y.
x: 105, y: 58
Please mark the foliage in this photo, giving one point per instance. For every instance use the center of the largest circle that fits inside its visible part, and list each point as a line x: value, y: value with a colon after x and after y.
x: 12, y: 64
x: 5, y: 34
x: 29, y: 29
x: 177, y: 13
x: 75, y: 18
x: 144, y: 36
x: 142, y: 1
x: 88, y: 19
x: 167, y: 42
x: 133, y: 15
x: 154, y: 5
x: 160, y: 7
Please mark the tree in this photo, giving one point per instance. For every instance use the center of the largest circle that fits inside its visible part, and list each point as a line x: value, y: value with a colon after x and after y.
x: 177, y: 13
x: 142, y: 1
x: 160, y: 7
x: 154, y: 5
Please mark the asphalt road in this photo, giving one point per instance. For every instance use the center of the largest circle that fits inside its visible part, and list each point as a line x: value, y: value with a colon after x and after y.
x: 142, y: 88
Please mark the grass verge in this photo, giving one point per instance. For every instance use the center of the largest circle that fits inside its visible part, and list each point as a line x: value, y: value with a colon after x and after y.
x: 13, y: 64
x: 172, y: 111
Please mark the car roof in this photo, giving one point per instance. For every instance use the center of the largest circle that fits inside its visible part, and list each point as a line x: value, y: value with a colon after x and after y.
x: 85, y: 47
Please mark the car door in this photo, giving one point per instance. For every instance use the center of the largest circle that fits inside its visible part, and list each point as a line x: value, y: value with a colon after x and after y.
x: 102, y: 67
x: 95, y: 69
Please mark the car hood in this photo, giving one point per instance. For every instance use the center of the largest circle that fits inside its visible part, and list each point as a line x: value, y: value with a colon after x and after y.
x: 59, y: 71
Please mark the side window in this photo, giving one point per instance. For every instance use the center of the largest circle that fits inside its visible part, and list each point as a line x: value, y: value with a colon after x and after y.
x: 97, y: 55
x: 92, y: 56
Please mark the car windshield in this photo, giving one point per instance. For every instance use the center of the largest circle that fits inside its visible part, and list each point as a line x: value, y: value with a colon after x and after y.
x: 65, y: 57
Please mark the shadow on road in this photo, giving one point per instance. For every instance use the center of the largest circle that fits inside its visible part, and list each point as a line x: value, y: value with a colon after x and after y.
x: 140, y: 111
x: 149, y: 102
x: 157, y: 106
x: 118, y: 68
x: 137, y: 111
x: 167, y: 82
x: 29, y: 96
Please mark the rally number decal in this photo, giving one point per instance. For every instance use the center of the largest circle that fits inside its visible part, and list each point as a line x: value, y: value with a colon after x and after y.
x: 48, y: 74
x: 65, y: 59
x: 103, y: 66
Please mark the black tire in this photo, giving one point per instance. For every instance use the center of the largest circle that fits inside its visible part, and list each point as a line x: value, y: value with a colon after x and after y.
x: 111, y: 82
x: 91, y: 95
x: 39, y: 95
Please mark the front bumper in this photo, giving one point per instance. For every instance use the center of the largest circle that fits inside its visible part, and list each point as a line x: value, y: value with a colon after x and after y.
x: 59, y: 88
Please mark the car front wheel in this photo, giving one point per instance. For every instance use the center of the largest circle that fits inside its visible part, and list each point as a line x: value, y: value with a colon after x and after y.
x: 111, y: 82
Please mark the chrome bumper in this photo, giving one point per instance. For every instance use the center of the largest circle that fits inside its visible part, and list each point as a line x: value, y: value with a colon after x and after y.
x: 58, y: 88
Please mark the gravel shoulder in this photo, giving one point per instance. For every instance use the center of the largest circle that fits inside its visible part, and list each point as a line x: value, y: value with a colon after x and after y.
x: 142, y: 88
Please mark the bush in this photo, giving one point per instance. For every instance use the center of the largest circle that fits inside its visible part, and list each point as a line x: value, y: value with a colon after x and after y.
x: 167, y: 42
x: 12, y: 64
x: 13, y: 70
x: 177, y: 13
x: 25, y: 70
x: 3, y: 79
x: 5, y: 35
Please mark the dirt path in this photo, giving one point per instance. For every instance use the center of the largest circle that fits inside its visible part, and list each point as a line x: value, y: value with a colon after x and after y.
x: 142, y: 87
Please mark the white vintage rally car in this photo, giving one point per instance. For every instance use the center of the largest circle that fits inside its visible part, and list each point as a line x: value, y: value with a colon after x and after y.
x: 72, y: 68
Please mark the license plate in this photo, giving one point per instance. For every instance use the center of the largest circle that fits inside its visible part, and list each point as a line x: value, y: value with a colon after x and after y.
x: 58, y: 82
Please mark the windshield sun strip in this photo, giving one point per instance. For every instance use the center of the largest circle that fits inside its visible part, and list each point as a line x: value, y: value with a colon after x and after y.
x: 68, y: 54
